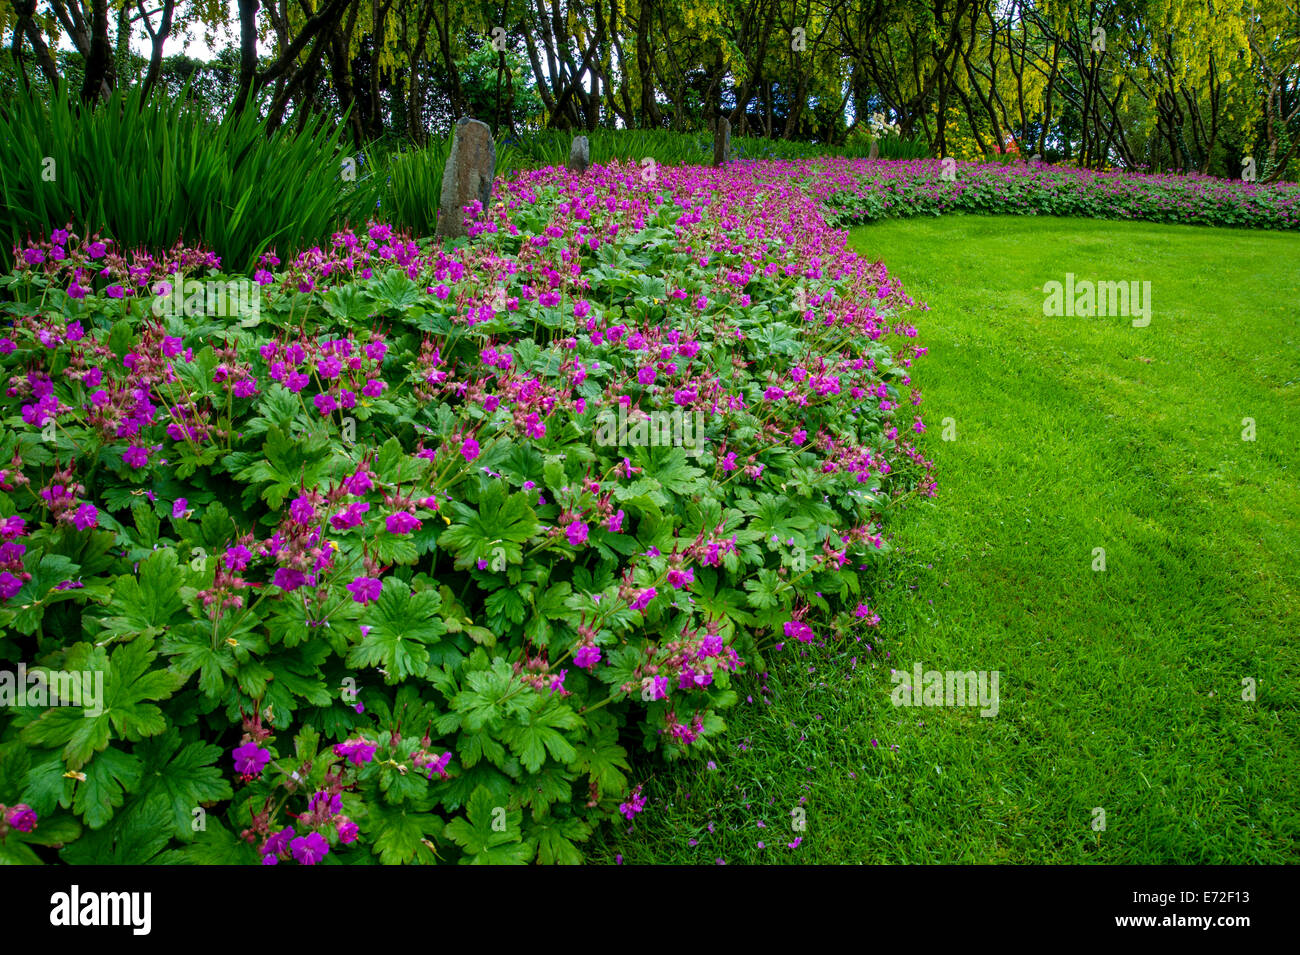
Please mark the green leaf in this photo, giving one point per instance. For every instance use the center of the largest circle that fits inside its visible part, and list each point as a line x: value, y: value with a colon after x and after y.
x: 402, y: 624
x: 401, y: 834
x: 534, y: 734
x: 128, y: 684
x: 498, y: 523
x: 490, y: 834
x: 182, y: 778
x: 108, y: 777
x: 150, y: 603
x: 134, y: 837
x: 555, y: 838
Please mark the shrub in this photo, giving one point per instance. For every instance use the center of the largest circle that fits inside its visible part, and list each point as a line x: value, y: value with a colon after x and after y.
x: 364, y: 564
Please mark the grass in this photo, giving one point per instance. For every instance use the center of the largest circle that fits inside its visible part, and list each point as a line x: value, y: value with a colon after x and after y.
x: 1120, y: 690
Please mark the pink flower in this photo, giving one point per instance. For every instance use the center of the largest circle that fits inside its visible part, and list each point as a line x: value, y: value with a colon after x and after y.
x: 310, y: 849
x: 799, y: 631
x: 439, y: 765
x: 21, y: 817
x: 577, y: 533
x: 350, y: 516
x: 250, y: 760
x: 302, y: 510
x: 587, y: 657
x: 635, y: 803
x: 403, y: 522
x: 237, y: 557
x: 469, y: 449
x: 288, y: 579
x: 644, y: 598
x: 680, y: 578
x: 87, y: 516
x: 365, y: 589
x: 358, y: 752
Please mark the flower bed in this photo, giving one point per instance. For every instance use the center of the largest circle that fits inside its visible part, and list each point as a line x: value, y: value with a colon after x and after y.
x: 402, y: 554
x: 857, y: 190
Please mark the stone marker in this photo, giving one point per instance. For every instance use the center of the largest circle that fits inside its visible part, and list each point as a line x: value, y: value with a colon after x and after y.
x: 722, y: 142
x: 875, y: 149
x: 468, y: 175
x: 579, y: 155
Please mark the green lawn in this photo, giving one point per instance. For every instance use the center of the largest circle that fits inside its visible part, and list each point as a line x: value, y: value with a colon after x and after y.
x: 1120, y: 689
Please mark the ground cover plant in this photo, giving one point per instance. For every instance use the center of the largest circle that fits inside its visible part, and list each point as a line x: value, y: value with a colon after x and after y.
x: 407, y: 553
x: 860, y: 191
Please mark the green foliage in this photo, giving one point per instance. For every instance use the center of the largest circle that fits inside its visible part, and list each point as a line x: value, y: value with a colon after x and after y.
x: 370, y: 569
x: 157, y: 172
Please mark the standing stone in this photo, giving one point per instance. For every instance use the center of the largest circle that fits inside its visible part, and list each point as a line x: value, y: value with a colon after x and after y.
x: 722, y: 142
x: 875, y: 149
x: 579, y: 155
x: 468, y: 175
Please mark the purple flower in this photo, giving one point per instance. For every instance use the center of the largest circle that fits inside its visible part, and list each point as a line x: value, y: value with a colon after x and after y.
x: 365, y: 589
x: 237, y: 557
x: 87, y: 516
x: 22, y: 817
x: 799, y: 631
x: 250, y: 759
x: 287, y: 578
x: 680, y: 578
x: 347, y: 830
x: 310, y: 849
x: 469, y: 449
x: 179, y: 507
x: 358, y: 752
x: 644, y: 598
x: 326, y: 804
x: 136, y: 457
x: 658, y: 687
x: 302, y: 509
x: 577, y: 533
x: 635, y: 803
x: 403, y: 522
x: 439, y: 765
x: 350, y: 516
x: 276, y: 845
x: 587, y: 657
x: 9, y: 585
